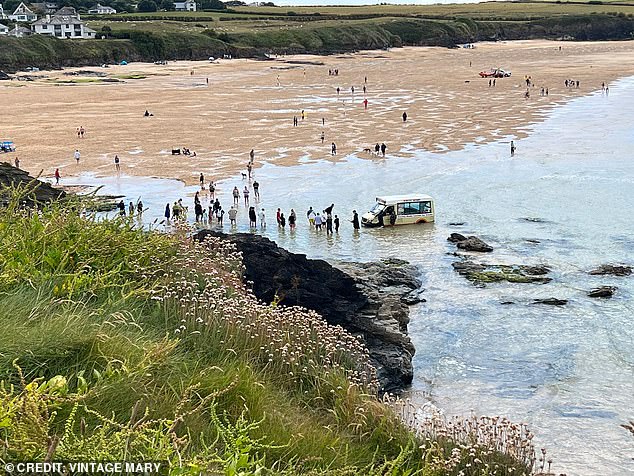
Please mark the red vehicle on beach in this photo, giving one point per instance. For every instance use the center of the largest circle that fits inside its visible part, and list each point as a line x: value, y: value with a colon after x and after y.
x: 495, y: 73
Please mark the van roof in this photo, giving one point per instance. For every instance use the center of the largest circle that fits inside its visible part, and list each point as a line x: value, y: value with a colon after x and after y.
x: 412, y: 197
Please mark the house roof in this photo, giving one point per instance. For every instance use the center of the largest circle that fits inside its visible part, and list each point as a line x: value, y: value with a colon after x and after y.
x: 59, y: 20
x: 20, y: 30
x: 23, y: 9
x: 68, y: 11
x: 4, y: 27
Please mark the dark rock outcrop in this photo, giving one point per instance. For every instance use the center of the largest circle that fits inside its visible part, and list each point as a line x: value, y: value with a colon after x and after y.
x: 456, y: 238
x: 602, y: 292
x: 612, y: 270
x: 551, y: 301
x: 35, y: 191
x: 471, y: 243
x: 367, y: 299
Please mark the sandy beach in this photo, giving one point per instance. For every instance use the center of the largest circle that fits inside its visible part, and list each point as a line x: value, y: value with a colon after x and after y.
x: 242, y: 107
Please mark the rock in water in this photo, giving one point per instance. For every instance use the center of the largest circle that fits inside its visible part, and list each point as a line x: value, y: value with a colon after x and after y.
x: 456, y: 238
x: 612, y: 270
x: 483, y: 273
x: 602, y: 292
x: 473, y: 243
x: 367, y: 299
x: 551, y: 301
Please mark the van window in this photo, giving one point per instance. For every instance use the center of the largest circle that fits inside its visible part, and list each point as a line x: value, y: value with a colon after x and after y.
x: 414, y: 208
x: 409, y: 208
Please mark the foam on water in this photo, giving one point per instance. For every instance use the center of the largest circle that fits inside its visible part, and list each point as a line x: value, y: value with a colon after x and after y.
x: 566, y: 371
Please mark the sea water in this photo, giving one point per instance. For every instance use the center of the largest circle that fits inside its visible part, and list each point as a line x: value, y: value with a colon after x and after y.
x: 565, y: 200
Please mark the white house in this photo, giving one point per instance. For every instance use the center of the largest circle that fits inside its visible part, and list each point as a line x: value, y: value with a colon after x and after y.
x: 4, y: 30
x: 186, y: 6
x: 101, y: 10
x: 65, y: 23
x: 23, y: 14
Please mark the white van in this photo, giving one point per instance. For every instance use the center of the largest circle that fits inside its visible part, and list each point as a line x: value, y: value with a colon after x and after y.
x: 392, y: 210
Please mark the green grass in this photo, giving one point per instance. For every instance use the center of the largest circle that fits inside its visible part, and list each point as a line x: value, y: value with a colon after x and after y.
x: 121, y: 344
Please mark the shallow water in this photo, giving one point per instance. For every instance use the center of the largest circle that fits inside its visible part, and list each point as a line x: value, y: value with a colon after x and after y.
x: 566, y: 371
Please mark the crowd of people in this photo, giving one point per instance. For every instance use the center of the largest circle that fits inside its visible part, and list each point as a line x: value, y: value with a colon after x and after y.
x: 213, y: 214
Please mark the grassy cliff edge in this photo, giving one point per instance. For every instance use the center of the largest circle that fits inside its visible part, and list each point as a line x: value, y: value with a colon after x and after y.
x: 122, y: 344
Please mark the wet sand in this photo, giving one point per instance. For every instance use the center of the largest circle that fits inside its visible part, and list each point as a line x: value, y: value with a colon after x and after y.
x: 242, y: 107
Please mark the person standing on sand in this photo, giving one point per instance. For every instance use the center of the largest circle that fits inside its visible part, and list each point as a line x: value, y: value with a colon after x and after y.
x: 256, y: 190
x: 365, y: 104
x: 338, y: 91
x: 252, y: 156
x: 355, y: 220
x: 17, y: 163
x: 262, y: 219
x: 249, y: 169
x: 233, y: 213
x: 333, y: 149
x: 404, y: 116
x: 117, y: 165
x: 82, y: 131
x: 245, y: 192
x: 512, y: 148
x: 236, y: 195
x: 202, y: 181
x: 383, y: 149
x: 323, y: 121
x: 323, y: 137
x: 303, y: 115
x: 220, y: 214
x: 77, y: 155
x: 212, y: 190
x: 377, y: 148
x: 57, y: 176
